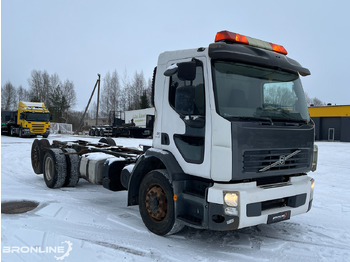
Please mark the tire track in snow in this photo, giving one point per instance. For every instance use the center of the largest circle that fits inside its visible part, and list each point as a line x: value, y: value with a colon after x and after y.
x: 117, y: 247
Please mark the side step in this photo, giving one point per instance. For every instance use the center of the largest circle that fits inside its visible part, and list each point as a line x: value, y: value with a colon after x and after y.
x: 192, y: 210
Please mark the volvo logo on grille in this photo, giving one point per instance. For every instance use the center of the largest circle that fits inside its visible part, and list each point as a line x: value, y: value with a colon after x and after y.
x: 282, y: 161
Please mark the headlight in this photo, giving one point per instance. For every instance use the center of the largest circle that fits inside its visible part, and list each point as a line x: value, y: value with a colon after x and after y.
x: 231, y: 199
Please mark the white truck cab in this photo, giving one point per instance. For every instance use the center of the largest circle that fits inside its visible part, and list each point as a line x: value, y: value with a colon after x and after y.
x: 232, y: 137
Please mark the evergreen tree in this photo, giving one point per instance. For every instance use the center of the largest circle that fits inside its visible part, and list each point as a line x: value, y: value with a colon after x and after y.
x: 144, y: 101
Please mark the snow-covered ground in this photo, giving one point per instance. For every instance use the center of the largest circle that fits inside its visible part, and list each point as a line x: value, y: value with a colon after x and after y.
x: 98, y: 225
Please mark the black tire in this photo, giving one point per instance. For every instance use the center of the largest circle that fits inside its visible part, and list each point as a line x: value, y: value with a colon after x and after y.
x: 102, y: 133
x: 73, y: 161
x: 20, y: 132
x: 156, y: 204
x: 39, y: 148
x: 107, y: 140
x: 55, y: 168
x: 90, y: 132
x: 111, y: 141
x: 12, y: 131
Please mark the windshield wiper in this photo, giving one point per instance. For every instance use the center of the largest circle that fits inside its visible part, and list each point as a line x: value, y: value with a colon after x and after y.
x: 282, y: 115
x: 292, y: 121
x: 251, y: 118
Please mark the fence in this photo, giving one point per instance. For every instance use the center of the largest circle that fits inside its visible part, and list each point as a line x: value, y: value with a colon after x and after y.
x: 61, y: 128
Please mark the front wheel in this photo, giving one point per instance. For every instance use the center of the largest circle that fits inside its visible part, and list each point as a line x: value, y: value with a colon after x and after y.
x: 156, y: 204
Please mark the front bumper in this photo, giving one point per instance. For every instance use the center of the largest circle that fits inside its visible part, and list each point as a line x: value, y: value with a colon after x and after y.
x: 34, y: 132
x: 259, y: 204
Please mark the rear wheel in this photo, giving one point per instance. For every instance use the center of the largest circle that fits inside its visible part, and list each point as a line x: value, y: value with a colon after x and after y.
x: 73, y: 161
x: 20, y: 132
x: 39, y: 148
x: 156, y: 204
x: 107, y: 140
x: 55, y: 168
x: 12, y: 131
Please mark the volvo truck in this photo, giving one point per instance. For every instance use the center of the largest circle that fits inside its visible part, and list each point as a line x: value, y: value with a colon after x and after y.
x: 232, y: 147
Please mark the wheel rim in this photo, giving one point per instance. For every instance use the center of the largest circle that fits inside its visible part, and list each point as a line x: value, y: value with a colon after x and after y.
x: 49, y: 168
x: 156, y: 203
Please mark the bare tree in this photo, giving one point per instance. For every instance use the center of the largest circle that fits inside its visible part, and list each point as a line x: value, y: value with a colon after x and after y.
x: 135, y: 90
x: 22, y: 94
x: 40, y: 87
x: 111, y: 95
x: 74, y: 118
x: 46, y: 88
x: 125, y: 96
x: 92, y: 110
x: 313, y: 101
x: 8, y: 97
x: 69, y: 93
x: 36, y: 86
x: 106, y: 95
x: 54, y: 82
x: 317, y: 102
x: 308, y: 99
x: 115, y: 94
x: 50, y: 90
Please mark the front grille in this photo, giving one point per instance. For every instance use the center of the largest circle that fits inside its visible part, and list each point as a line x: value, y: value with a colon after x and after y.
x: 258, y: 161
x: 37, y: 128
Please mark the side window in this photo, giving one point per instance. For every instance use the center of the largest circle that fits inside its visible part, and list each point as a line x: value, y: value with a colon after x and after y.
x: 187, y: 97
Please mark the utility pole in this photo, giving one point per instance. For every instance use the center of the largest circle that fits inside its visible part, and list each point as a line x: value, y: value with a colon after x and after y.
x: 87, y: 106
x: 98, y: 97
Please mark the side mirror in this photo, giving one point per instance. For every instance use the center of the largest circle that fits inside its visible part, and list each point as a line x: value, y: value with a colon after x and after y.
x: 186, y: 71
x: 171, y: 70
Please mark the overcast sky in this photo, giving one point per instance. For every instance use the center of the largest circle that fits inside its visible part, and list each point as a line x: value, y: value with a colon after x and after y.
x: 79, y: 38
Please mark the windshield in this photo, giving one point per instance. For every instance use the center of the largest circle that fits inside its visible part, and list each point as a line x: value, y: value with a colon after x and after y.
x: 39, y: 117
x: 248, y: 92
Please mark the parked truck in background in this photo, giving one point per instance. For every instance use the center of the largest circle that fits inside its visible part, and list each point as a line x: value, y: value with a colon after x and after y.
x: 133, y: 123
x: 233, y: 142
x: 30, y: 119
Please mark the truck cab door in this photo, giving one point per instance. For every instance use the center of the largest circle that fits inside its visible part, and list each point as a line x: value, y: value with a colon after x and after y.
x: 184, y: 117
